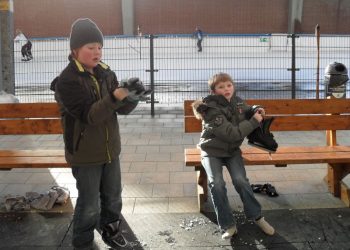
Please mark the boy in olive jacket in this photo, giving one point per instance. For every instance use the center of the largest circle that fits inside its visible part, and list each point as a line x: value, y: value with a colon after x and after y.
x: 90, y: 98
x: 224, y: 127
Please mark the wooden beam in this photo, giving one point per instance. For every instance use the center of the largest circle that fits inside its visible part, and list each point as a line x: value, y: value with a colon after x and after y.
x: 29, y: 110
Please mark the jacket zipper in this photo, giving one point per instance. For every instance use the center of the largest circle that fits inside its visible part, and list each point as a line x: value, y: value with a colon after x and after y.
x: 107, y: 133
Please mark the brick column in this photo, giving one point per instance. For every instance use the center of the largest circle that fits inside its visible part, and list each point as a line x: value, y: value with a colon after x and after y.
x: 7, y: 80
x: 295, y: 13
x: 128, y: 17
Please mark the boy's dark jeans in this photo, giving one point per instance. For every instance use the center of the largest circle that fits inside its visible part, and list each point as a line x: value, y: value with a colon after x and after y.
x: 214, y: 168
x: 99, y: 199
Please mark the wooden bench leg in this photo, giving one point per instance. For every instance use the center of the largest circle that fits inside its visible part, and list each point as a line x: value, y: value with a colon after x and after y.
x: 202, y: 187
x: 336, y: 172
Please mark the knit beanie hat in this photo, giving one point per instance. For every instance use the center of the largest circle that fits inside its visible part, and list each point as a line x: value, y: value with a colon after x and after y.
x: 84, y: 31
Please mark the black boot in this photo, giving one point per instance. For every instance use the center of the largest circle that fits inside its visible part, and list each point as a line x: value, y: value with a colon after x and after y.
x: 112, y: 235
x: 262, y: 138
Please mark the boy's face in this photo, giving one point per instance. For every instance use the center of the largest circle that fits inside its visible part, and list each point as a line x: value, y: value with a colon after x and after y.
x: 225, y: 89
x: 89, y: 55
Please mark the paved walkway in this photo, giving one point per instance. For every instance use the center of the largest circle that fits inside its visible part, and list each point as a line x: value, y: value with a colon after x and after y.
x: 155, y: 180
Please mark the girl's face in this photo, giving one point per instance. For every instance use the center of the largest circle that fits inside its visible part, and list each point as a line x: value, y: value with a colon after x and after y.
x: 224, y: 88
x: 89, y: 55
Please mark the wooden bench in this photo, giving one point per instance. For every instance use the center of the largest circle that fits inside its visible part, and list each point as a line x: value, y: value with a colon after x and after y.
x: 30, y: 119
x: 329, y: 115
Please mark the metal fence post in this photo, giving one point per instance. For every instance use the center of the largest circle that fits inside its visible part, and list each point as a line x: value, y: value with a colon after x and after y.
x: 293, y: 69
x: 152, y: 70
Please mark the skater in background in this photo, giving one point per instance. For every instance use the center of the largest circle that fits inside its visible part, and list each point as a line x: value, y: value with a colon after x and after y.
x: 26, y: 51
x: 199, y: 36
x: 25, y: 44
x: 224, y: 128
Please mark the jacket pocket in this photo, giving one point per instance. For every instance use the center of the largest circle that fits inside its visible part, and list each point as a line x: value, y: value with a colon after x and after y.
x: 81, y: 134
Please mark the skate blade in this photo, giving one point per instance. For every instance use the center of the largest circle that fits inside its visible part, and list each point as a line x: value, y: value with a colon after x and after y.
x: 261, y: 147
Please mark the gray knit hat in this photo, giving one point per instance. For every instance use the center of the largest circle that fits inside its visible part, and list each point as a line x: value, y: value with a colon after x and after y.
x: 84, y: 31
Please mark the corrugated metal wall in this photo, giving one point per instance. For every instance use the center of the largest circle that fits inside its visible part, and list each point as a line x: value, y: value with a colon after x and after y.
x: 53, y: 18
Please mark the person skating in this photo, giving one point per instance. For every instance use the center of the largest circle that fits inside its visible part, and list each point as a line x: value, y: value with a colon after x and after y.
x: 26, y: 45
x: 199, y: 36
x: 26, y: 51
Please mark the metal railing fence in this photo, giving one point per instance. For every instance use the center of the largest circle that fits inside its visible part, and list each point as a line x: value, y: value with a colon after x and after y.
x: 260, y: 64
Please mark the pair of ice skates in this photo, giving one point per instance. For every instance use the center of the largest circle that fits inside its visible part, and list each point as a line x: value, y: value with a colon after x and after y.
x: 261, y: 137
x: 27, y: 58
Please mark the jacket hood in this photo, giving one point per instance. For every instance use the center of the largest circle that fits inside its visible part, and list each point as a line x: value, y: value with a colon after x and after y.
x: 201, y: 106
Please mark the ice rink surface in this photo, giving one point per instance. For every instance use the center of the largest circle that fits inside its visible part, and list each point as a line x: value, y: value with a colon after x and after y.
x: 259, y: 64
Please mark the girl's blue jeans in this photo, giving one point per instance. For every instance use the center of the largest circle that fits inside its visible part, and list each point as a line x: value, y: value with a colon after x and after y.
x: 99, y: 199
x: 217, y: 186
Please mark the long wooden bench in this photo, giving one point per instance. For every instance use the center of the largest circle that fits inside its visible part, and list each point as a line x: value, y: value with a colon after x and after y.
x: 30, y: 119
x: 327, y: 115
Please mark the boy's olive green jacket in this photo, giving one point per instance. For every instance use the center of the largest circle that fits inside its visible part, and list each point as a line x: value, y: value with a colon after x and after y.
x: 224, y: 125
x: 89, y: 113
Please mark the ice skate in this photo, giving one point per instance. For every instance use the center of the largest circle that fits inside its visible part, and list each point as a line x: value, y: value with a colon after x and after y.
x: 262, y: 138
x: 112, y: 235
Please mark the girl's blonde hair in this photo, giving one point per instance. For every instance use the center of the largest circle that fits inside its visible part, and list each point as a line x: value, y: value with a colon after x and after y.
x: 219, y: 77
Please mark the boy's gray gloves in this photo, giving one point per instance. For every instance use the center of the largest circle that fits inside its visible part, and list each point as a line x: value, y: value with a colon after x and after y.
x: 137, y: 91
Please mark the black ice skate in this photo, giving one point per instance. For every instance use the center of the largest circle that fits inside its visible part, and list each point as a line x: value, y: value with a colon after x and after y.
x: 262, y: 138
x: 112, y: 235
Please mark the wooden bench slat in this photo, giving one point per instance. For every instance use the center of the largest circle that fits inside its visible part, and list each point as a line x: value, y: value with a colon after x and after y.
x: 304, y: 106
x: 30, y: 126
x: 192, y: 124
x: 311, y: 123
x: 296, y: 158
x: 282, y: 158
x: 35, y: 152
x: 26, y: 110
x: 290, y: 123
x: 282, y: 150
x: 33, y: 162
x: 293, y: 106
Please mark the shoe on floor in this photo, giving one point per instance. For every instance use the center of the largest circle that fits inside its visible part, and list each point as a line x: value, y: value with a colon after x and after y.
x: 265, y: 226
x: 229, y: 233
